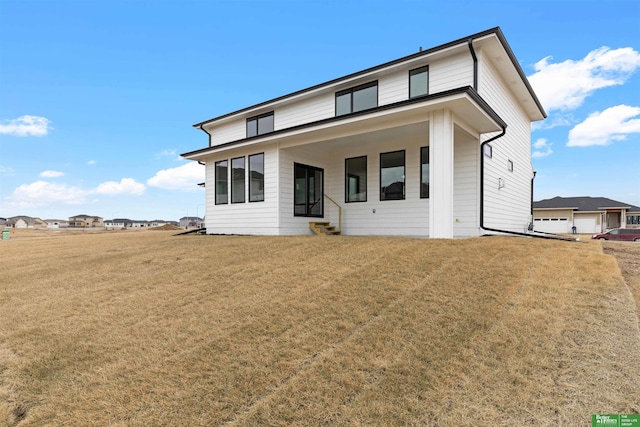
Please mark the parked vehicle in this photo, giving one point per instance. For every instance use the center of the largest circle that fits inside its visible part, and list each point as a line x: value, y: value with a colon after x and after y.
x: 621, y: 234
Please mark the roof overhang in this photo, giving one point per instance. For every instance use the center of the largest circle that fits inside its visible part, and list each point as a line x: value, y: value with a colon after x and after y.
x: 555, y: 209
x: 468, y: 108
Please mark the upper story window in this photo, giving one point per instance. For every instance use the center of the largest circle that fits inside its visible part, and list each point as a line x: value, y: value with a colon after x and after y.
x: 259, y: 125
x: 357, y: 98
x: 419, y: 81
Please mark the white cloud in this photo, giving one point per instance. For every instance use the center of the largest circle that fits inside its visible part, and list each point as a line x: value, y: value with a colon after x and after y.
x: 565, y: 85
x: 542, y: 148
x: 125, y: 186
x: 25, y: 126
x: 91, y: 162
x: 42, y: 193
x: 557, y: 119
x: 184, y: 178
x: 166, y: 153
x: 51, y: 174
x: 5, y: 170
x: 602, y: 128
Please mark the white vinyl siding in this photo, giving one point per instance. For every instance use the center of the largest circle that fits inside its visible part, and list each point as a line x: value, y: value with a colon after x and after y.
x: 306, y: 111
x: 450, y: 73
x: 244, y: 218
x: 227, y: 132
x: 508, y: 207
x: 466, y: 205
x: 393, y: 87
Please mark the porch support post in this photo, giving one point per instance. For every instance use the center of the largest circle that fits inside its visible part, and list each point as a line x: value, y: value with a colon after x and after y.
x: 441, y: 174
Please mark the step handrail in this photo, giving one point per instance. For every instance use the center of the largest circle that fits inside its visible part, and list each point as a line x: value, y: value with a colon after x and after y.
x: 339, y: 212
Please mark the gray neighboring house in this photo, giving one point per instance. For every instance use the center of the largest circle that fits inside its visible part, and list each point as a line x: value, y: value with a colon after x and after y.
x: 191, y: 221
x: 588, y: 214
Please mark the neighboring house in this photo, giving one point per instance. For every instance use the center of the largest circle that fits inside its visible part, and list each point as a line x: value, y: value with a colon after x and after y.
x: 191, y: 221
x: 129, y: 223
x: 588, y: 214
x: 57, y: 223
x: 23, y: 221
x: 3, y: 222
x: 116, y: 223
x: 433, y: 144
x: 158, y: 223
x: 85, y: 221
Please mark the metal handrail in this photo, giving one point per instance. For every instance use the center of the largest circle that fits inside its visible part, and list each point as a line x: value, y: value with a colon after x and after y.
x: 339, y: 212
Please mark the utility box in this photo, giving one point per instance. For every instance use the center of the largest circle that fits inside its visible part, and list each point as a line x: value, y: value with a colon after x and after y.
x: 6, y: 234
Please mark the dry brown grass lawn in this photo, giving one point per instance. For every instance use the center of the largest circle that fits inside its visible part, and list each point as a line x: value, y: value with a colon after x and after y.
x: 140, y: 328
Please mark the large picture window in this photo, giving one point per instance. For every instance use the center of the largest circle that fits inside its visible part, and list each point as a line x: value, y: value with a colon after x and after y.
x: 259, y: 125
x: 237, y: 180
x: 419, y: 81
x: 256, y: 177
x: 355, y: 179
x: 357, y: 98
x: 308, y: 191
x: 392, y: 175
x: 424, y: 172
x: 221, y: 168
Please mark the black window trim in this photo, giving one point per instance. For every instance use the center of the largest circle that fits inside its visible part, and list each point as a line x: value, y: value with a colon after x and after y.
x: 257, y: 120
x: 346, y: 187
x: 350, y: 91
x: 249, y: 172
x: 429, y: 163
x: 417, y: 71
x: 404, y: 189
x: 244, y: 179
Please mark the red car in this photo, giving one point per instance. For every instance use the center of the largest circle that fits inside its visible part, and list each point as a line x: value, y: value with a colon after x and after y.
x: 622, y: 234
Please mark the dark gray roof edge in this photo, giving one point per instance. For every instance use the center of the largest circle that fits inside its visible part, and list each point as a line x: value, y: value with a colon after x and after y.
x: 496, y: 30
x: 583, y: 204
x: 461, y: 90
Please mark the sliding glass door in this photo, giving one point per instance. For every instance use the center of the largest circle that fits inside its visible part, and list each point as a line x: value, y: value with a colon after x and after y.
x: 308, y: 191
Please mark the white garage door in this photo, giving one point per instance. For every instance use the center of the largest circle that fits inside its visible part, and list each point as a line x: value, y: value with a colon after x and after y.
x: 585, y: 225
x: 551, y: 225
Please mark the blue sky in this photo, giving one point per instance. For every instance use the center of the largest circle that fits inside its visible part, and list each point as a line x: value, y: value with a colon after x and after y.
x: 98, y: 98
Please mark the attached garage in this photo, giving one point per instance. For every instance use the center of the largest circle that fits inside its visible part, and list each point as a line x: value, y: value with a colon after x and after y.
x: 551, y: 225
x: 586, y: 224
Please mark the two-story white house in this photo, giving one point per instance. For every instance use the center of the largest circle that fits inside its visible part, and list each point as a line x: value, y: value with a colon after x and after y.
x: 434, y: 144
